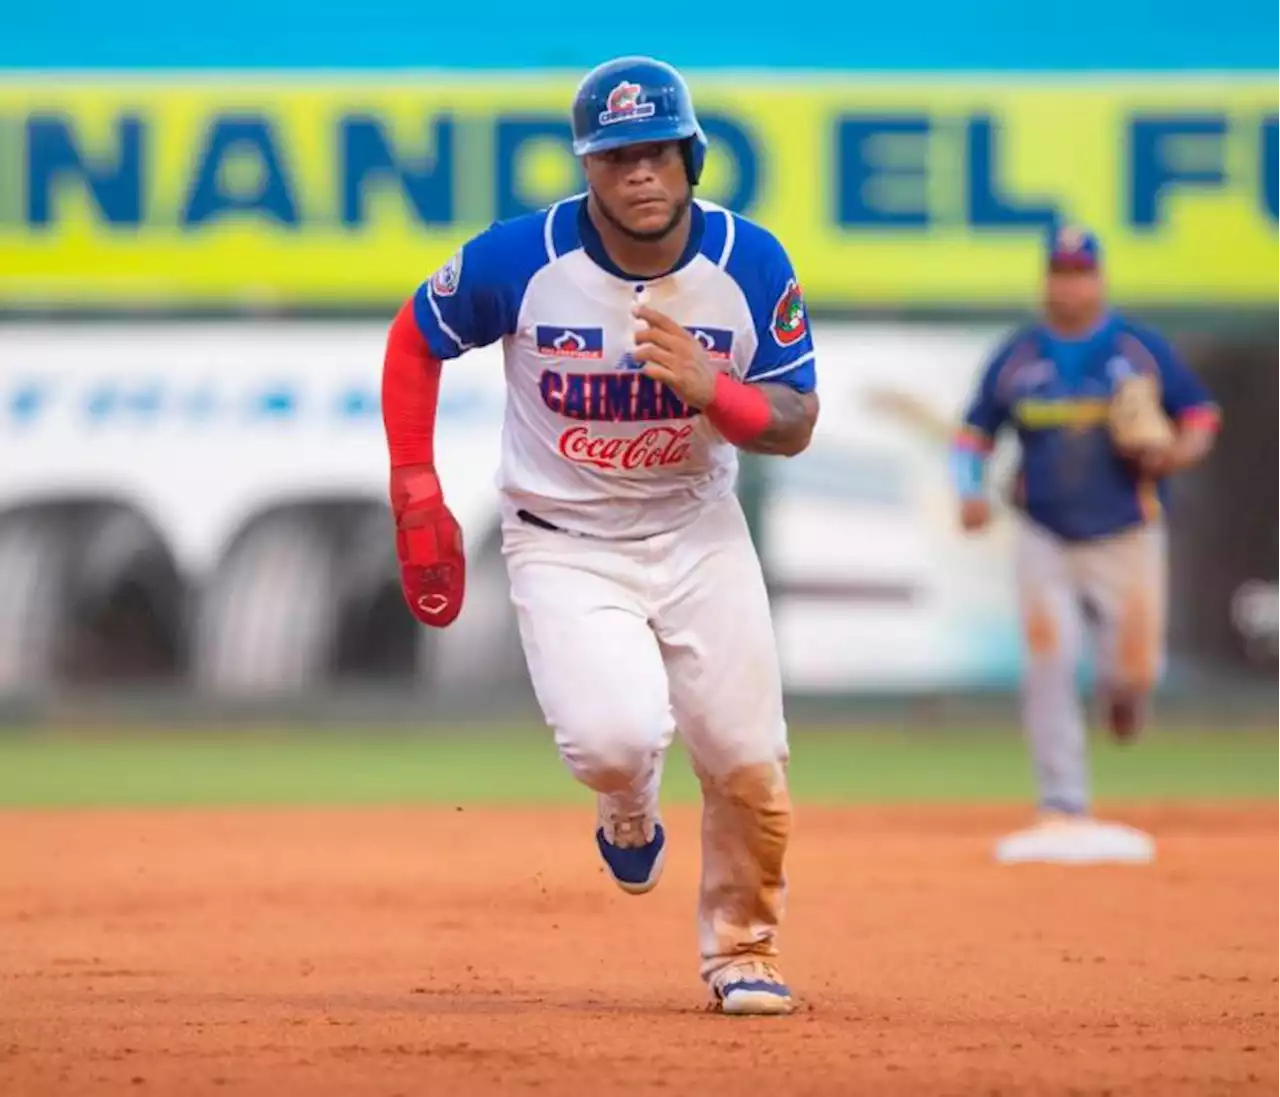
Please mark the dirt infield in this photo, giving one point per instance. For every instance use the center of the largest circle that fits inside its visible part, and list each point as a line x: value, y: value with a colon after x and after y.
x: 474, y: 953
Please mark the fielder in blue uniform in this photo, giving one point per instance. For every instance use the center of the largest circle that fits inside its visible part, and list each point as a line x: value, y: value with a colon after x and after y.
x: 1091, y: 546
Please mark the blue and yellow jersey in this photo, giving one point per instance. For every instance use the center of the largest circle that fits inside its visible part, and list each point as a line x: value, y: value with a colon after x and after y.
x: 1055, y: 392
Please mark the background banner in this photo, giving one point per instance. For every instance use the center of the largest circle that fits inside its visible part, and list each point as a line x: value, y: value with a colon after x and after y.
x: 248, y: 463
x: 235, y: 473
x: 314, y: 190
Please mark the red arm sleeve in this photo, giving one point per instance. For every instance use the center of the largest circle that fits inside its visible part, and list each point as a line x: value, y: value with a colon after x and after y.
x: 410, y: 393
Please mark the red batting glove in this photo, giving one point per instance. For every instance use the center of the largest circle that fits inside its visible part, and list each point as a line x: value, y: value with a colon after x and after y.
x: 433, y: 566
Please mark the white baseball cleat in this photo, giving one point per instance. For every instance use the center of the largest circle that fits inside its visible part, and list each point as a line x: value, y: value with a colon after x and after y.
x: 1076, y: 840
x: 751, y: 988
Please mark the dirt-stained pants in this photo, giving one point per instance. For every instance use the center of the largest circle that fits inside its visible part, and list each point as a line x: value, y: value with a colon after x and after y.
x: 629, y: 640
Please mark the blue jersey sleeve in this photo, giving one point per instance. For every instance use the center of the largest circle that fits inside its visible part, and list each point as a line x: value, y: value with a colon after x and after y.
x: 987, y: 412
x: 784, y: 345
x: 1182, y: 393
x: 474, y: 299
x: 988, y: 408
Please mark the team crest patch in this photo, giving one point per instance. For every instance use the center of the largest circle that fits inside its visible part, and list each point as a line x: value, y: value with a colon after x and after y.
x: 789, y: 323
x: 626, y: 103
x: 444, y: 283
x: 717, y: 342
x: 556, y: 341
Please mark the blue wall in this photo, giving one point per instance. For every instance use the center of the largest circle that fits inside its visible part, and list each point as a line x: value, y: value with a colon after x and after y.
x: 928, y: 35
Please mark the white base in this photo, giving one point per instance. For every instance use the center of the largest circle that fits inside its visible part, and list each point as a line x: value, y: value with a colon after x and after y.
x: 1076, y: 842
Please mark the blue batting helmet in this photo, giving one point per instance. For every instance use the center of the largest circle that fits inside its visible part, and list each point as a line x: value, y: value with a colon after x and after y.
x: 631, y: 100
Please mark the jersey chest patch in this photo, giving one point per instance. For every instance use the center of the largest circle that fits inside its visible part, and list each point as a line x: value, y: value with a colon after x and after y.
x: 560, y: 341
x: 717, y: 342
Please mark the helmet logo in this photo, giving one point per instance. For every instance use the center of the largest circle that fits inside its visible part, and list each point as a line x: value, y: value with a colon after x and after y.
x: 625, y: 104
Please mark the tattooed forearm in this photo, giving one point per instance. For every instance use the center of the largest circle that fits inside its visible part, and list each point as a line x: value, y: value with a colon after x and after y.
x: 794, y: 416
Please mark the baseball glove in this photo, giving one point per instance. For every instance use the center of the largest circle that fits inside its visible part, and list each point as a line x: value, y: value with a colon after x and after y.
x: 1135, y: 418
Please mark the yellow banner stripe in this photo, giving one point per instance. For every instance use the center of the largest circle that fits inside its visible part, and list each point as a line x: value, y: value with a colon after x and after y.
x: 886, y: 193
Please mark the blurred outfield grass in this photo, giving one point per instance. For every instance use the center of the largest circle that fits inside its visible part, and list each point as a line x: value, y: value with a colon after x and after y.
x: 477, y: 766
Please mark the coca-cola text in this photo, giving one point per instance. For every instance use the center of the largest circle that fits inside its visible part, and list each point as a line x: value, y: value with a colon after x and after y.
x: 656, y: 447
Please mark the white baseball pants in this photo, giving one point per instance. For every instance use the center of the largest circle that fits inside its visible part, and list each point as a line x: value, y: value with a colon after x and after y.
x: 629, y: 640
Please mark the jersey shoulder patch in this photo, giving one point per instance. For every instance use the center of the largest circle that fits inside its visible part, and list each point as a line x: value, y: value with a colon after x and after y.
x: 788, y: 323
x: 444, y: 283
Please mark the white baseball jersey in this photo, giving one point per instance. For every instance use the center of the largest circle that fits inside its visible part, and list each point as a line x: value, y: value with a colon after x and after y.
x: 589, y: 442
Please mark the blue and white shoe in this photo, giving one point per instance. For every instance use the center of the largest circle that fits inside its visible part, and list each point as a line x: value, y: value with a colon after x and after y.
x: 751, y: 988
x: 634, y: 849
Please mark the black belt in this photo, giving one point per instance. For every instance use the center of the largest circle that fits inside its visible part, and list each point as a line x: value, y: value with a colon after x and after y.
x: 531, y: 519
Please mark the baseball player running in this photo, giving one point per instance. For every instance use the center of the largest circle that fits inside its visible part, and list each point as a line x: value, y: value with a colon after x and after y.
x: 647, y: 337
x: 1104, y: 413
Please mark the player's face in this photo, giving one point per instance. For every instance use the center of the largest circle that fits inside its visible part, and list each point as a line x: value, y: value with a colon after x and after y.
x: 642, y: 189
x: 1073, y: 298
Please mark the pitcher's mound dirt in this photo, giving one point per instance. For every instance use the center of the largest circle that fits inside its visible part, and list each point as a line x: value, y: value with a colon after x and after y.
x: 471, y: 953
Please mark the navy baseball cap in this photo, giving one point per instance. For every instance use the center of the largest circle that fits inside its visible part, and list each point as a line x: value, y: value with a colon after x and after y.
x: 1074, y: 248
